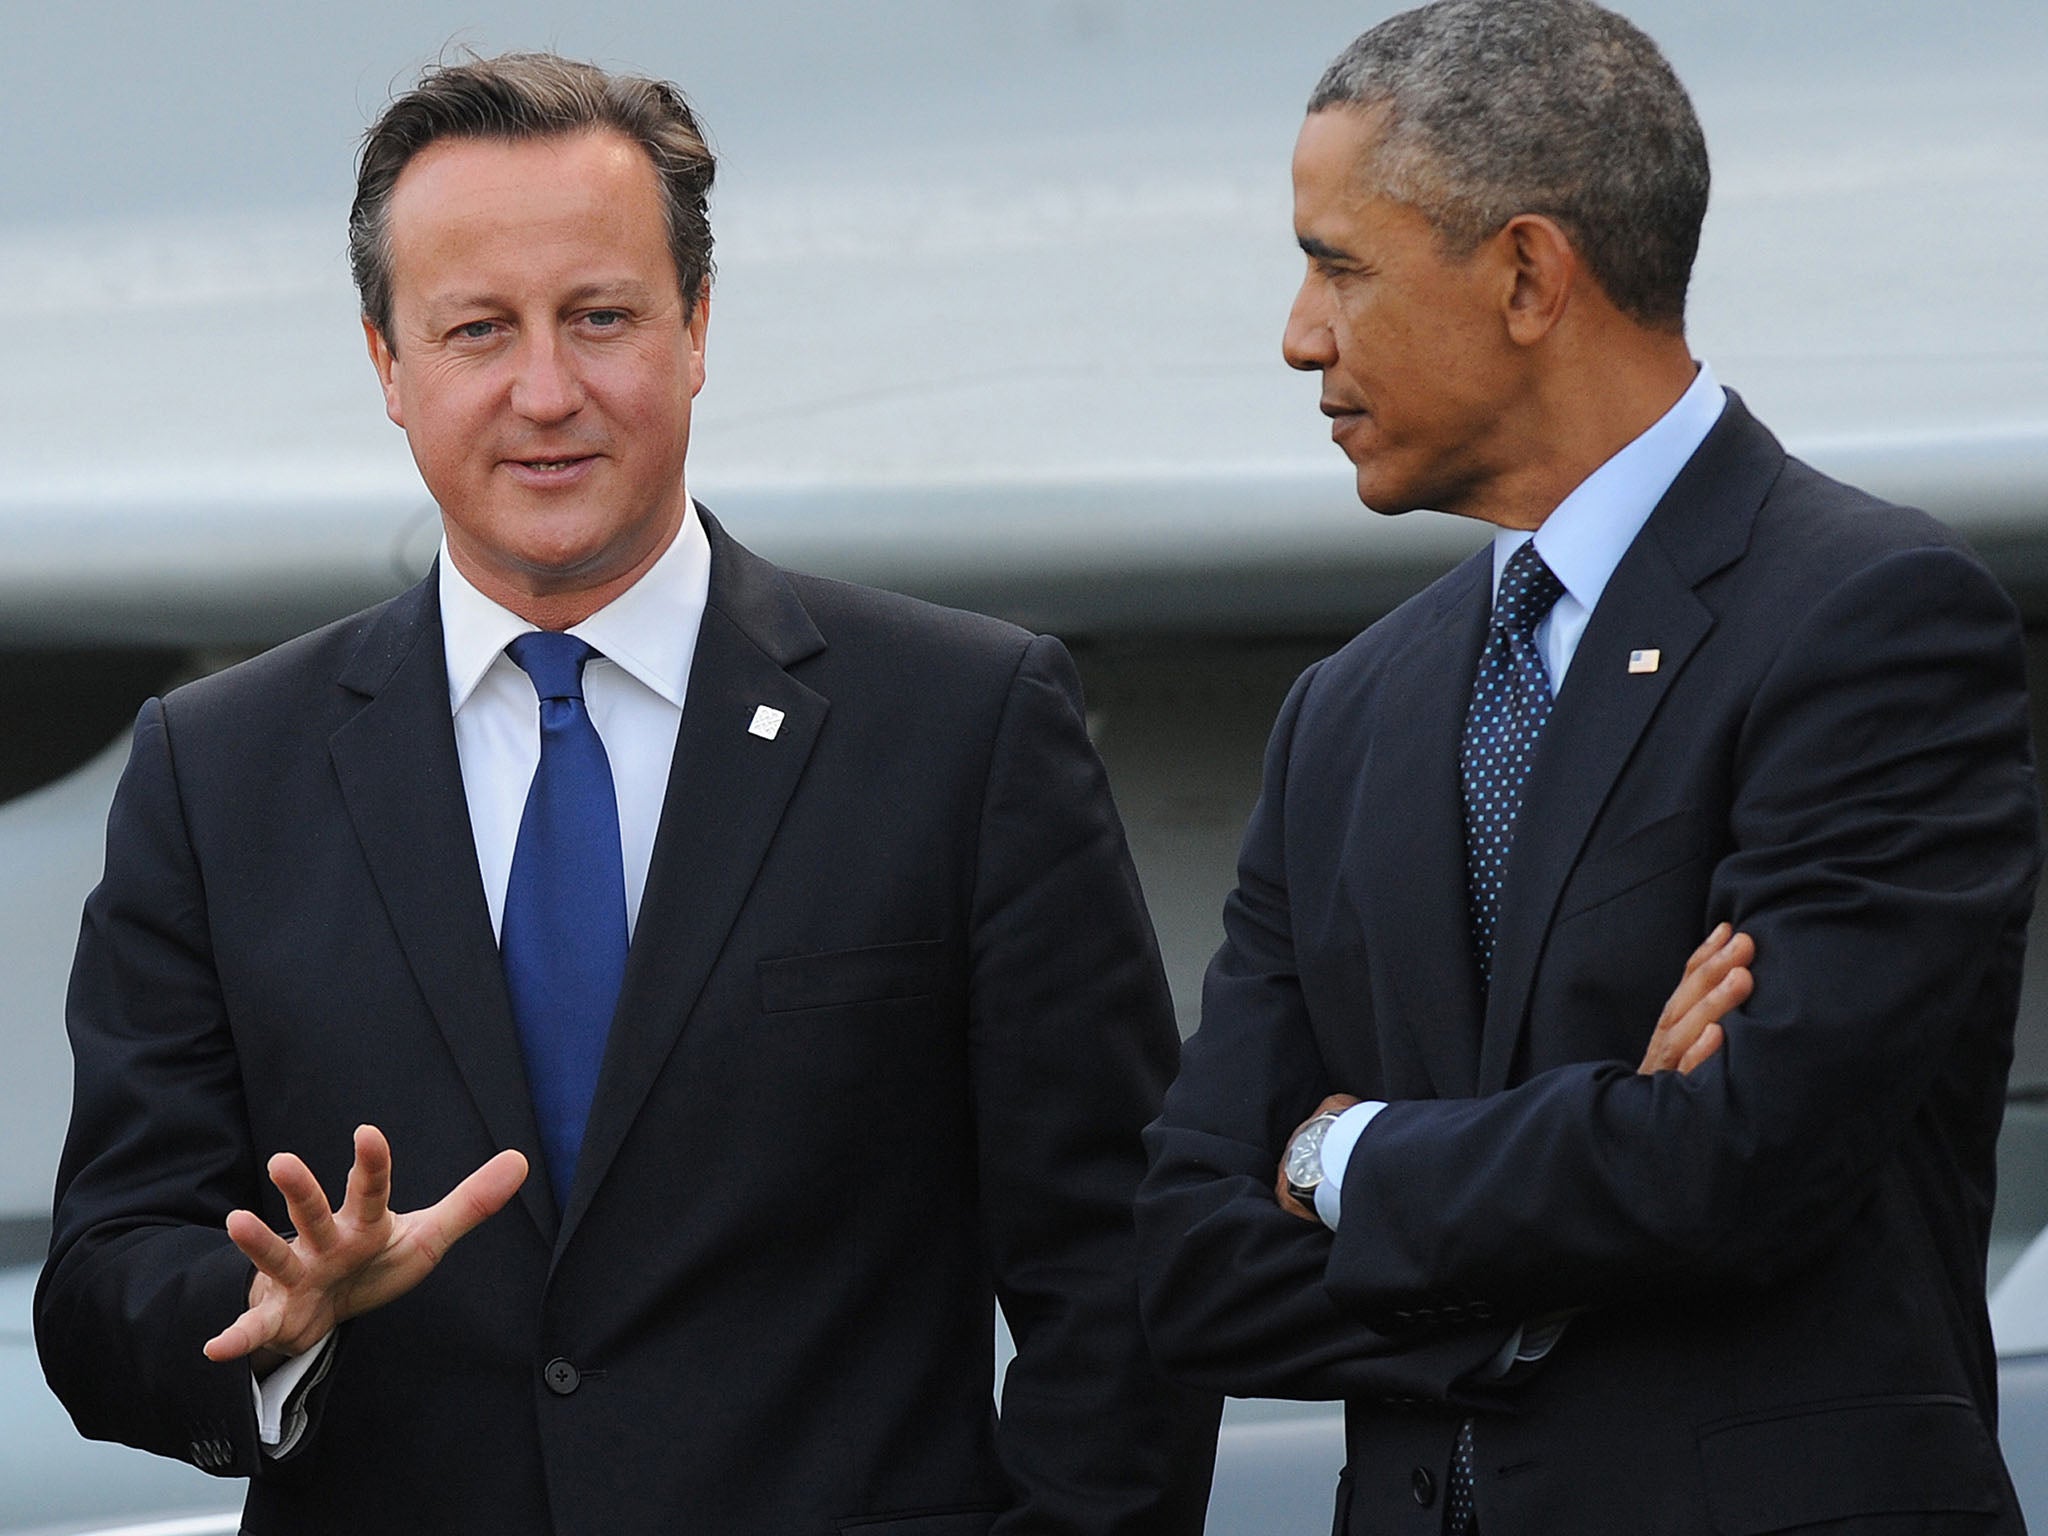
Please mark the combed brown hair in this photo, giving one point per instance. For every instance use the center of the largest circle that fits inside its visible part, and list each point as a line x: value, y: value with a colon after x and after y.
x: 531, y: 96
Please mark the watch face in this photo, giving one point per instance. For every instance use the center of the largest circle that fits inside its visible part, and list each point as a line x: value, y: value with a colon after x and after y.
x: 1305, y: 1158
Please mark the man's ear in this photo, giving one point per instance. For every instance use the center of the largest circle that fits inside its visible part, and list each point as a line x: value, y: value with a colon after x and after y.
x: 698, y: 325
x: 1545, y: 270
x: 385, y: 361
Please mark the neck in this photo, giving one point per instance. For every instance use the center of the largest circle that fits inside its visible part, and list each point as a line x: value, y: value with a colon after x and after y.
x: 553, y: 599
x: 1594, y: 397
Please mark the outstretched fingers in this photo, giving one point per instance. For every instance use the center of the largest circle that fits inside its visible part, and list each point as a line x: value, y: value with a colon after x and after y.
x: 241, y: 1338
x: 304, y: 1199
x: 482, y: 1195
x: 368, y: 1200
x: 271, y: 1254
x: 341, y: 1264
x: 258, y: 1326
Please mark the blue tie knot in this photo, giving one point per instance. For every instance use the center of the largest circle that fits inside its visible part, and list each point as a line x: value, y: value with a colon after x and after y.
x: 553, y: 660
x: 1528, y: 590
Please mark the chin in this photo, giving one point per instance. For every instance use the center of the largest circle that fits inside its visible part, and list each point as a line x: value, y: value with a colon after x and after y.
x: 1386, y: 500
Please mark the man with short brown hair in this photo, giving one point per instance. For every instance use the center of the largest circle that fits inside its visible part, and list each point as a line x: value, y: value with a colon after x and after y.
x: 737, y: 981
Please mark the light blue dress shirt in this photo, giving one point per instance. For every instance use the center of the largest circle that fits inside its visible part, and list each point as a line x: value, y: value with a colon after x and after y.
x: 1582, y: 541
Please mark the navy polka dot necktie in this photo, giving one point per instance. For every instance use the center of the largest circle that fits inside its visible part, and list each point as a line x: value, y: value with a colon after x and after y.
x: 1510, y: 702
x: 1459, y: 1517
x: 563, y: 938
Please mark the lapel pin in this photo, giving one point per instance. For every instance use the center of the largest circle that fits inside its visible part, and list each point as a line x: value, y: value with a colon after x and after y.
x: 1644, y: 661
x: 766, y: 722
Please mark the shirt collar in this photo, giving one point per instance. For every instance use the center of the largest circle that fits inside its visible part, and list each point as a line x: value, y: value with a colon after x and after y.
x: 649, y: 630
x: 1583, y: 540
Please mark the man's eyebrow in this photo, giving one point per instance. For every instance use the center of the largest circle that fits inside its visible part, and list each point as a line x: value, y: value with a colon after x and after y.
x: 627, y: 289
x: 442, y: 303
x: 1318, y: 250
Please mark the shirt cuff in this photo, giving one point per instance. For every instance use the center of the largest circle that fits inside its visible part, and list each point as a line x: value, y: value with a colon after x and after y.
x: 1540, y: 1337
x: 281, y: 1397
x: 1530, y: 1342
x: 1338, y: 1142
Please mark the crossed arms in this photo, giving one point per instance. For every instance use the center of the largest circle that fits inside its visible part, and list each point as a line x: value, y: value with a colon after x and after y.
x: 1871, y: 782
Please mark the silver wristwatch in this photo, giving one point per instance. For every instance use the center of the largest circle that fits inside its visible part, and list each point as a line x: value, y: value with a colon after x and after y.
x: 1304, y: 1161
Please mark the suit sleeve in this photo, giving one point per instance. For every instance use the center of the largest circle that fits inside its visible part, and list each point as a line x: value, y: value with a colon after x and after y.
x: 141, y: 1272
x: 1885, y: 847
x: 1233, y: 1285
x: 1073, y: 1042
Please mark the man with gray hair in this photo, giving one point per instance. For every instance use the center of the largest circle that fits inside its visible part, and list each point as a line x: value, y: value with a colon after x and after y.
x: 784, y: 930
x: 1582, y: 1253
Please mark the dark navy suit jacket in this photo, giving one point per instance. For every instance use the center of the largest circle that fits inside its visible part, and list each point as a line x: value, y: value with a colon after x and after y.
x: 1780, y: 1257
x: 892, y: 1022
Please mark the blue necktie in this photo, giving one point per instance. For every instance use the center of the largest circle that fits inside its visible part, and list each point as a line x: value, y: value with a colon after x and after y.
x: 564, y: 931
x: 1510, y: 702
x: 1460, y: 1519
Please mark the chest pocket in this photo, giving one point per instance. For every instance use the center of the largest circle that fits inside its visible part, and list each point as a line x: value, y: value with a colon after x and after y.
x: 1669, y: 843
x: 839, y: 977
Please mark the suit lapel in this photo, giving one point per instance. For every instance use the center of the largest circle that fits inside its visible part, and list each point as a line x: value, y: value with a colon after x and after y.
x: 402, y: 783
x: 1699, y: 527
x: 727, y: 791
x: 1406, y: 865
x: 1600, y: 715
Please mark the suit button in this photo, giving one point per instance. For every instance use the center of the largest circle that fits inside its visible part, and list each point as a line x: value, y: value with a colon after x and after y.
x: 1423, y: 1485
x: 562, y: 1377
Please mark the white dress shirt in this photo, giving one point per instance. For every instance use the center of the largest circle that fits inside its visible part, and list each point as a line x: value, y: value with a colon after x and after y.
x: 646, y: 638
x: 1582, y: 541
x: 634, y: 689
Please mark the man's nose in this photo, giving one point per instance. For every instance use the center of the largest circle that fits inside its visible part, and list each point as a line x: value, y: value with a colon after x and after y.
x: 546, y: 386
x: 1307, y: 342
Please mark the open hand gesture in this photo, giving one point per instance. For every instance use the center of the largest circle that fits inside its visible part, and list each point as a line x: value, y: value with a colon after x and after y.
x: 347, y: 1262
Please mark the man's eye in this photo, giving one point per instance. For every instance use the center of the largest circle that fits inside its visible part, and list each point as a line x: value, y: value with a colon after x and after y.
x: 476, y: 330
x: 604, y: 319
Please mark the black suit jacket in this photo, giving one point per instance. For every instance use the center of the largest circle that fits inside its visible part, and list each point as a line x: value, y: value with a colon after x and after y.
x: 1781, y: 1256
x: 891, y: 1023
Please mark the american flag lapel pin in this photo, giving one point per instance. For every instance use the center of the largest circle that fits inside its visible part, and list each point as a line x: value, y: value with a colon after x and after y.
x: 1644, y: 661
x: 766, y: 722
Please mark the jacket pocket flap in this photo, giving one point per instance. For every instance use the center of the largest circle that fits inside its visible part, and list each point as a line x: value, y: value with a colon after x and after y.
x: 950, y: 1522
x: 1640, y: 857
x: 1835, y: 1461
x: 840, y: 976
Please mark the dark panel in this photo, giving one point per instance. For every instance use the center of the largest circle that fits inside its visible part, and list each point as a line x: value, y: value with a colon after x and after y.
x: 63, y: 706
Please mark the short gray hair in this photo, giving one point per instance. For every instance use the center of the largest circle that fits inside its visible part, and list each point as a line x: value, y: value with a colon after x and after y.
x: 1554, y: 107
x: 519, y: 96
